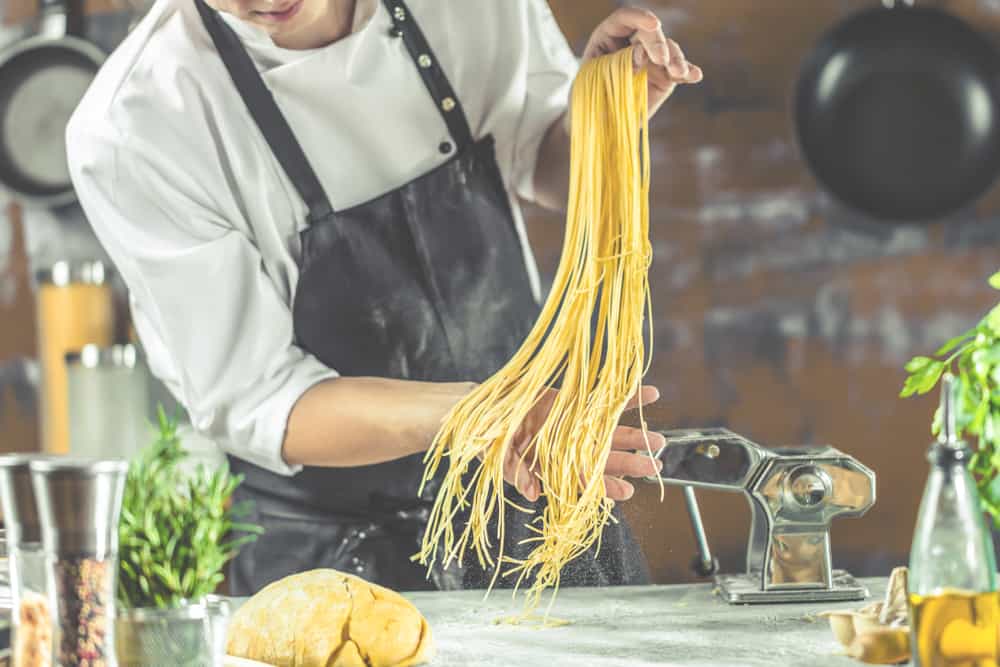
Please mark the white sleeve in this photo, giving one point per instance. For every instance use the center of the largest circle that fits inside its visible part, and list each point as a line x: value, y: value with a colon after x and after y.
x: 212, y: 321
x: 552, y: 67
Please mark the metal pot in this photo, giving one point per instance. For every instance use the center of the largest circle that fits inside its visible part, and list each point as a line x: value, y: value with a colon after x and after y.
x: 898, y: 112
x: 42, y: 80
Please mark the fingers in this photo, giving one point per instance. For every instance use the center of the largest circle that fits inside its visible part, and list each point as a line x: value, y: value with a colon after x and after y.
x: 665, y: 53
x: 664, y: 58
x: 517, y: 473
x: 633, y: 439
x: 625, y: 22
x: 618, y: 489
x: 616, y: 30
x: 647, y: 394
x: 654, y: 45
x: 675, y: 63
x: 624, y: 464
x: 695, y: 75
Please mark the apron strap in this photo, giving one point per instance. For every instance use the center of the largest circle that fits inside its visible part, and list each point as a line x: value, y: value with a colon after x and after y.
x: 405, y: 25
x: 264, y: 110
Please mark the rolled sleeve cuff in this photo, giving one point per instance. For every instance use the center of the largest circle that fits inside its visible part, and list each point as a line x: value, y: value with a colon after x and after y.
x: 268, y: 424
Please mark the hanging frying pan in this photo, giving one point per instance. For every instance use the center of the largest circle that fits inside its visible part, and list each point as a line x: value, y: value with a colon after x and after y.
x: 42, y: 79
x: 897, y: 113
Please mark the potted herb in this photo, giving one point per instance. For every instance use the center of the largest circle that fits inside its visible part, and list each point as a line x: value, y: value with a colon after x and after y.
x: 974, y: 359
x: 175, y: 537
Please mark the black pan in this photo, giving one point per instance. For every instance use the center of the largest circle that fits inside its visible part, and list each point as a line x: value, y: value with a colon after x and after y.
x: 42, y: 79
x: 898, y: 113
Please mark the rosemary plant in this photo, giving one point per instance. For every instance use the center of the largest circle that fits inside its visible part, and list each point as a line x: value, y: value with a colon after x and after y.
x: 178, y: 529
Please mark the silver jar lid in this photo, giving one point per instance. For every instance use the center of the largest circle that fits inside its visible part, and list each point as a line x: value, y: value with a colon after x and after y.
x: 78, y: 467
x: 64, y: 272
x: 114, y: 356
x: 79, y: 502
x: 21, y: 516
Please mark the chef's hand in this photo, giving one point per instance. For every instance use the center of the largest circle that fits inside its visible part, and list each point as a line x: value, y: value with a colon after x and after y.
x: 666, y: 63
x: 621, y: 463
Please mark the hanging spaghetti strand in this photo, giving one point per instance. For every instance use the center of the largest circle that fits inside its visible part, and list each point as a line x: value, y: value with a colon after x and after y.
x: 602, y: 280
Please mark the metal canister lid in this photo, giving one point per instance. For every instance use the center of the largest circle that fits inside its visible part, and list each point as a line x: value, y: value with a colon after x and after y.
x: 17, y: 494
x: 79, y: 502
x: 114, y: 356
x: 65, y: 272
x: 78, y: 466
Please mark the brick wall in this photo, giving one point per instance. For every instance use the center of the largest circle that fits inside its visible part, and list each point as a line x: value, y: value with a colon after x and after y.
x: 778, y: 313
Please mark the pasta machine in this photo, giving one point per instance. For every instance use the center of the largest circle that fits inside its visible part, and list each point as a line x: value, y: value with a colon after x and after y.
x: 794, y: 494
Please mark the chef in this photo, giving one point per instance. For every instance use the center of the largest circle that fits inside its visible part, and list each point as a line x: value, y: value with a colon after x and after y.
x: 315, y: 207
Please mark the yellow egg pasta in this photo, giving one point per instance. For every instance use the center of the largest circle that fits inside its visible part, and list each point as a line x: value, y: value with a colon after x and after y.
x: 588, y: 342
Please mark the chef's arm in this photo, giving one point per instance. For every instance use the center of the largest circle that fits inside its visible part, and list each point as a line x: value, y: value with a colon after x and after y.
x: 360, y: 421
x: 355, y: 421
x: 552, y: 168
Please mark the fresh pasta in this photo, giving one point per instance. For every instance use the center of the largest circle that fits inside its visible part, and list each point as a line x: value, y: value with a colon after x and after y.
x: 587, y: 342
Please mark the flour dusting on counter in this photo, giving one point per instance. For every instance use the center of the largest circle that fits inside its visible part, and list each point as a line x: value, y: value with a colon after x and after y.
x: 629, y: 626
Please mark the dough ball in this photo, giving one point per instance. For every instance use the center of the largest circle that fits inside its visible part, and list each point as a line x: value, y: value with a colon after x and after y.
x: 326, y: 618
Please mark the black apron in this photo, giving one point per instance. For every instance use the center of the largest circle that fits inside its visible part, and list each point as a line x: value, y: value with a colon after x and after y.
x: 426, y: 282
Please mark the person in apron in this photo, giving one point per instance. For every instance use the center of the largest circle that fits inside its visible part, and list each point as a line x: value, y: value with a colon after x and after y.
x: 425, y: 282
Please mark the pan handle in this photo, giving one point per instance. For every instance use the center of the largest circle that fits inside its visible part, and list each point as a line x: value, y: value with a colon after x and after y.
x: 61, y: 18
x: 75, y: 17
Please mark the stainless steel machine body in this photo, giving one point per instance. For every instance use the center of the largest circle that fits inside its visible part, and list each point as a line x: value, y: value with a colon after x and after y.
x: 793, y: 493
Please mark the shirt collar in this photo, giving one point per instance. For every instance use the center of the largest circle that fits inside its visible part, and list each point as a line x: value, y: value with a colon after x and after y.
x: 268, y: 54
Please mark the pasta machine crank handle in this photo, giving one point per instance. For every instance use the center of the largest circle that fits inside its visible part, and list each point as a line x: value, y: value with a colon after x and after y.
x: 704, y: 564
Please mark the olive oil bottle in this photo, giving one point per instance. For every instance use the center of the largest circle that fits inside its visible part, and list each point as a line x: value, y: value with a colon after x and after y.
x: 954, y: 612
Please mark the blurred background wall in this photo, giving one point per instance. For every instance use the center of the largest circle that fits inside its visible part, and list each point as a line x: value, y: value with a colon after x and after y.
x: 778, y: 313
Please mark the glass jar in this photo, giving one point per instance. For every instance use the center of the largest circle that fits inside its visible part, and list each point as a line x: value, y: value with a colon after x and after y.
x: 75, y: 307
x: 31, y: 609
x: 217, y: 613
x: 84, y: 590
x: 153, y: 637
x: 109, y: 404
x: 79, y: 502
x: 33, y: 622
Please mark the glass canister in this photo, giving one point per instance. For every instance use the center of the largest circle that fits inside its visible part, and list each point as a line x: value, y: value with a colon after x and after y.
x: 31, y: 611
x: 192, y: 634
x: 75, y: 307
x: 79, y: 502
x: 110, y: 408
x: 180, y: 637
x: 218, y: 612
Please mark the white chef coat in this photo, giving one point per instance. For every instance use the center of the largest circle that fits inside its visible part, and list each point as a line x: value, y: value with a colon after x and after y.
x: 203, y: 225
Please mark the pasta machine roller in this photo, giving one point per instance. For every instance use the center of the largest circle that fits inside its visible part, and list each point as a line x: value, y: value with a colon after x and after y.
x: 794, y: 494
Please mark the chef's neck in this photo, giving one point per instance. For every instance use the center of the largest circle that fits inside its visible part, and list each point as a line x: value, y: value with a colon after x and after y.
x: 297, y: 24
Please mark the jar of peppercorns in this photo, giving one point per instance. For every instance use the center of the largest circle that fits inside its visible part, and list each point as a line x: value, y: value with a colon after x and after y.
x: 31, y: 612
x: 79, y: 504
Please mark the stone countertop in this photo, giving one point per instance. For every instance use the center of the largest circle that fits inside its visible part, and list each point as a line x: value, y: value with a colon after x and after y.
x: 633, y: 626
